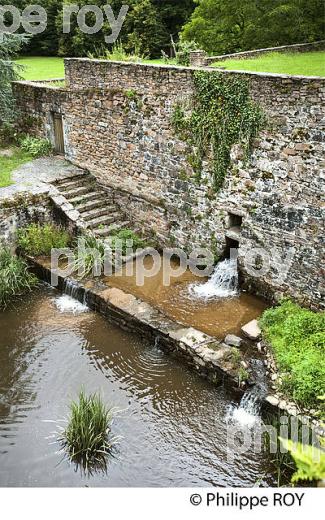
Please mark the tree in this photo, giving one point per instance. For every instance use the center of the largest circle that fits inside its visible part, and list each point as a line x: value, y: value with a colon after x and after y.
x: 77, y: 43
x: 223, y: 26
x: 47, y: 42
x: 173, y: 15
x: 9, y: 71
x: 145, y: 31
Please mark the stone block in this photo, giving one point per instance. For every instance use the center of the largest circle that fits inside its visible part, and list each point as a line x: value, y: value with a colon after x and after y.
x: 233, y: 341
x: 252, y: 330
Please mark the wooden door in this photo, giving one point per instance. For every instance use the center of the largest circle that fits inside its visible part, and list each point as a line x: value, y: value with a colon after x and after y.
x: 58, y: 133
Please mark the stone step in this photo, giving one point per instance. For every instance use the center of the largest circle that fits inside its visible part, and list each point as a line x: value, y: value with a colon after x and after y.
x: 61, y: 183
x: 99, y: 202
x: 98, y: 212
x: 109, y: 230
x: 80, y: 199
x: 74, y: 192
x: 77, y: 184
x: 102, y: 221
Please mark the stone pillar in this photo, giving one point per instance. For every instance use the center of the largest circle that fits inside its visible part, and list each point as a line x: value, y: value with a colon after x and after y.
x: 198, y: 59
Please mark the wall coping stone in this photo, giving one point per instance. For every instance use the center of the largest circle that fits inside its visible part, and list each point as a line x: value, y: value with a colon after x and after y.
x: 190, y: 70
x: 298, y: 47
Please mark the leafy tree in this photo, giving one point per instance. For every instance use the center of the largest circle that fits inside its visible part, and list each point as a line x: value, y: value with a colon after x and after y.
x: 222, y: 26
x: 146, y: 29
x: 47, y: 42
x: 9, y: 71
x: 146, y: 35
x: 78, y: 43
x: 173, y: 15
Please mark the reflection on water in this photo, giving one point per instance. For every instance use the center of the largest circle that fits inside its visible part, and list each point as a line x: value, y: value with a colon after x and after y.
x: 216, y: 316
x: 173, y: 424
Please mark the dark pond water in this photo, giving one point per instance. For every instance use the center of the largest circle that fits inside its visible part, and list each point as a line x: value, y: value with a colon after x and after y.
x: 172, y: 422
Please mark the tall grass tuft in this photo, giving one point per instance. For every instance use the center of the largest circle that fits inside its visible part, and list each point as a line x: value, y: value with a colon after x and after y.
x: 15, y: 279
x: 87, y: 436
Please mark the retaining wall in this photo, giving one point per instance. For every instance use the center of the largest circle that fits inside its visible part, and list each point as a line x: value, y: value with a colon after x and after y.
x: 117, y: 123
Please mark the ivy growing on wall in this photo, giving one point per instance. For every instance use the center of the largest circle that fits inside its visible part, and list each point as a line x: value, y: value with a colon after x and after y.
x: 221, y: 114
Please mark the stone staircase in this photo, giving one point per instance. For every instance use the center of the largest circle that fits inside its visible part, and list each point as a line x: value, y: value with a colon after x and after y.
x: 83, y: 198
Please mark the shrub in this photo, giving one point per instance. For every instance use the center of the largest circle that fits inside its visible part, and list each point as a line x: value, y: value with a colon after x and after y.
x: 117, y: 53
x: 297, y: 338
x: 34, y: 146
x: 8, y: 134
x: 183, y: 51
x: 126, y: 239
x: 36, y: 239
x: 87, y: 434
x: 15, y: 279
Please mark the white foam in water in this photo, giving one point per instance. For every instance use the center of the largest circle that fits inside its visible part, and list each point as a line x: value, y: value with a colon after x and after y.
x: 244, y: 417
x: 66, y: 303
x: 222, y: 284
x: 248, y: 412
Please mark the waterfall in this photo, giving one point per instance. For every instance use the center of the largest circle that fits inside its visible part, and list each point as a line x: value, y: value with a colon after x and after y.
x: 247, y: 413
x: 222, y: 284
x: 71, y: 288
x: 70, y: 300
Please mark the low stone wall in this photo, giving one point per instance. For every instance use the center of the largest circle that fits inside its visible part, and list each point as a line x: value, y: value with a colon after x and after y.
x: 117, y: 122
x: 210, y: 357
x: 19, y: 210
x: 201, y: 58
x: 23, y: 208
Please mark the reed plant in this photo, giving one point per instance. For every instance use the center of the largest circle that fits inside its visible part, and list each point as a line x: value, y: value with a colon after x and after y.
x: 90, y: 255
x: 15, y: 278
x: 87, y: 436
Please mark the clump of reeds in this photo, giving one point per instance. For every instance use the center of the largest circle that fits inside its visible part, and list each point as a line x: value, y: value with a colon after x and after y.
x: 87, y: 435
x: 15, y: 278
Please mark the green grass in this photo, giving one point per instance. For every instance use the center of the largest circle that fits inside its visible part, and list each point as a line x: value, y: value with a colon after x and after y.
x: 15, y: 279
x: 41, y: 67
x: 301, y: 64
x: 9, y: 164
x: 159, y: 61
x: 297, y: 339
x: 87, y: 434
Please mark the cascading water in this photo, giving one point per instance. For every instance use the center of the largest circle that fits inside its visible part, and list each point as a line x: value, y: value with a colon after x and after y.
x: 222, y: 284
x: 247, y: 413
x: 70, y: 300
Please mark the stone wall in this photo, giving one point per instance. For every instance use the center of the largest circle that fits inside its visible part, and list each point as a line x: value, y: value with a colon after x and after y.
x: 19, y: 210
x: 117, y: 119
x: 201, y: 58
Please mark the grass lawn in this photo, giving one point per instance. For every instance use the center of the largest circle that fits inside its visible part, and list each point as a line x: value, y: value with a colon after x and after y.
x: 9, y: 164
x: 41, y: 67
x: 302, y: 64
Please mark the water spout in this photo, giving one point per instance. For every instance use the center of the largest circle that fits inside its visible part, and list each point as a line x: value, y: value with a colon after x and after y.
x: 222, y: 284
